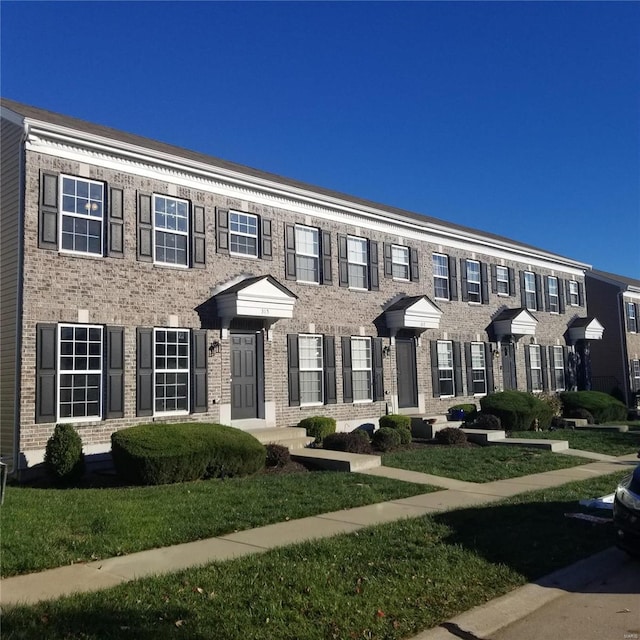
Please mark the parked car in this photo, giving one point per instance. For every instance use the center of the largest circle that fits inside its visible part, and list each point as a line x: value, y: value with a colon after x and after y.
x: 626, y: 513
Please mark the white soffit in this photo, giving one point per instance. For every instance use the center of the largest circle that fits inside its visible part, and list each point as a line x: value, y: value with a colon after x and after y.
x: 422, y: 314
x: 591, y: 331
x: 260, y: 299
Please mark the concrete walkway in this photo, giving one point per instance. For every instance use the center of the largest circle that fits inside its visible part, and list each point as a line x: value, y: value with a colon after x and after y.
x: 101, y: 574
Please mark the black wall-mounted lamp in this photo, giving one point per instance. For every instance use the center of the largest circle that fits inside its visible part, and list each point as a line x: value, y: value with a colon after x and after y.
x: 386, y: 350
x: 214, y: 347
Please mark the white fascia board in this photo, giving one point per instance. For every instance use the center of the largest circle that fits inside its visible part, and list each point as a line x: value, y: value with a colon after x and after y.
x: 11, y: 116
x: 121, y: 156
x: 632, y: 294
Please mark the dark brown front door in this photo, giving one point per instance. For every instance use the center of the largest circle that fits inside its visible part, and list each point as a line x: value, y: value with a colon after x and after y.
x: 244, y: 378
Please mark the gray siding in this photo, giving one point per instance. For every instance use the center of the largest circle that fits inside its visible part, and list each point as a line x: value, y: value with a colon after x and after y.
x: 10, y: 177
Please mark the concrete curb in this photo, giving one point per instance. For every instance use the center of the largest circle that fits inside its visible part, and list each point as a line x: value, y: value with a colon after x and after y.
x: 484, y: 620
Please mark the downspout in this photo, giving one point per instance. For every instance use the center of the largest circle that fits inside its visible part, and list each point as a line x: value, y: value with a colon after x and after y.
x: 623, y: 350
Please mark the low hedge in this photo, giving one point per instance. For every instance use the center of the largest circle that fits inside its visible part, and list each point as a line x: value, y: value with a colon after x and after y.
x: 602, y: 406
x: 469, y: 410
x: 318, y: 427
x: 166, y: 453
x: 451, y: 435
x: 387, y: 439
x: 395, y: 421
x: 517, y: 410
x: 354, y: 442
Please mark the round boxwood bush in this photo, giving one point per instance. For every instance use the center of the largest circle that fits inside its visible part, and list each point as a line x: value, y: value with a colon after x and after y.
x: 395, y: 421
x: 469, y: 411
x: 318, y: 427
x: 165, y: 453
x: 63, y: 455
x: 602, y: 406
x: 277, y: 455
x: 354, y: 442
x: 386, y: 439
x: 451, y: 435
x: 517, y: 410
x: 486, y: 421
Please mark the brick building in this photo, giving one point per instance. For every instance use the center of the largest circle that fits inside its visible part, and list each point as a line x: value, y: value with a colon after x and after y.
x: 144, y: 282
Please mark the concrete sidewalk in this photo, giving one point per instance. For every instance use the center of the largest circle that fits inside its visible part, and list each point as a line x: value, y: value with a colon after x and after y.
x: 101, y: 574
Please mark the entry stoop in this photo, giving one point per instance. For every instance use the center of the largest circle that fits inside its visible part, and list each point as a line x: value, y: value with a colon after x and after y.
x: 290, y: 437
x: 422, y: 427
x: 495, y: 437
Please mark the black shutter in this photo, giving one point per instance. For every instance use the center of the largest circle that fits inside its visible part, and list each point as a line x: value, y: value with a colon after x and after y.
x: 325, y: 245
x: 435, y: 373
x: 453, y: 279
x: 539, y: 305
x: 46, y: 362
x: 267, y: 242
x: 48, y: 218
x: 199, y: 390
x: 464, y: 285
x: 580, y: 294
x: 388, y: 260
x: 512, y: 281
x: 468, y: 366
x: 494, y: 279
x: 378, y: 374
x: 488, y: 360
x: 457, y: 365
x: 484, y: 282
x: 568, y: 291
x: 545, y: 369
x: 547, y: 302
x: 116, y: 224
x: 144, y: 372
x: 114, y: 388
x: 289, y: 252
x: 527, y: 366
x: 561, y: 304
x: 343, y: 264
x: 222, y: 230
x: 329, y: 353
x: 198, y: 238
x: 347, y: 383
x: 294, y: 370
x: 145, y: 228
x: 523, y: 295
x: 374, y: 282
x: 415, y: 265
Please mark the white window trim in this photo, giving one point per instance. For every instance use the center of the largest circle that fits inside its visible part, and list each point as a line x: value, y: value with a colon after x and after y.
x: 536, y: 348
x: 556, y: 296
x: 321, y: 369
x: 367, y: 340
x: 245, y: 235
x: 499, y: 269
x: 180, y: 412
x: 453, y: 365
x: 407, y: 264
x: 631, y: 307
x: 573, y: 284
x: 364, y: 264
x: 170, y: 231
x: 635, y: 373
x: 62, y: 213
x: 558, y: 368
x: 60, y: 373
x: 530, y: 291
x: 308, y: 255
x: 484, y: 369
x: 474, y: 282
x: 440, y: 277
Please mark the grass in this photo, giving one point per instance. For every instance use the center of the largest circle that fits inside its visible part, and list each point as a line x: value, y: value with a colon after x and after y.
x: 477, y: 464
x: 44, y: 528
x: 384, y: 582
x: 610, y: 443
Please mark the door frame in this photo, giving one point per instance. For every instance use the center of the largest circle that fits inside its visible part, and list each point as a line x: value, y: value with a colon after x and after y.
x: 508, y: 355
x: 414, y: 372
x: 259, y: 368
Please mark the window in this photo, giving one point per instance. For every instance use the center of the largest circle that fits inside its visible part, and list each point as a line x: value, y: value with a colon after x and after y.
x: 530, y: 291
x: 82, y: 209
x: 635, y: 375
x: 502, y: 280
x: 400, y: 262
x: 311, y: 369
x: 478, y: 368
x: 79, y: 372
x: 473, y: 281
x: 361, y: 369
x: 171, y: 371
x: 535, y: 367
x: 357, y: 262
x: 552, y: 292
x: 441, y: 276
x: 445, y: 368
x: 574, y: 297
x: 243, y: 233
x: 558, y: 369
x: 171, y: 230
x: 307, y: 254
x: 632, y: 320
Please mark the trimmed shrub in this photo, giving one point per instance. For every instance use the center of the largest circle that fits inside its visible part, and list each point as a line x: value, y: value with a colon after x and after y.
x: 166, y: 453
x: 486, y: 421
x: 451, y: 435
x: 354, y: 442
x: 318, y: 427
x: 602, y: 406
x: 517, y: 410
x: 469, y: 410
x: 553, y: 401
x: 395, y: 421
x: 405, y: 436
x: 63, y: 455
x: 277, y: 455
x: 580, y: 414
x: 386, y: 439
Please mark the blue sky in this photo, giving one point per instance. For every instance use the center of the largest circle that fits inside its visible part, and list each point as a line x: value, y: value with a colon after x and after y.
x: 521, y: 119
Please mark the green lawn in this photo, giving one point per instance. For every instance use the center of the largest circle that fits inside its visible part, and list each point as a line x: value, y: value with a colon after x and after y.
x: 44, y: 528
x: 385, y: 582
x: 478, y: 464
x: 610, y: 443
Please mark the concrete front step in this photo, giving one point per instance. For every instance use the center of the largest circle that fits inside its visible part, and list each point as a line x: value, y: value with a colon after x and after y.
x: 290, y: 437
x: 485, y: 436
x: 423, y: 427
x: 336, y: 460
x: 550, y: 445
x: 621, y: 428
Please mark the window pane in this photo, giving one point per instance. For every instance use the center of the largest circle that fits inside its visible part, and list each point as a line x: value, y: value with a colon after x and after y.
x: 441, y: 276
